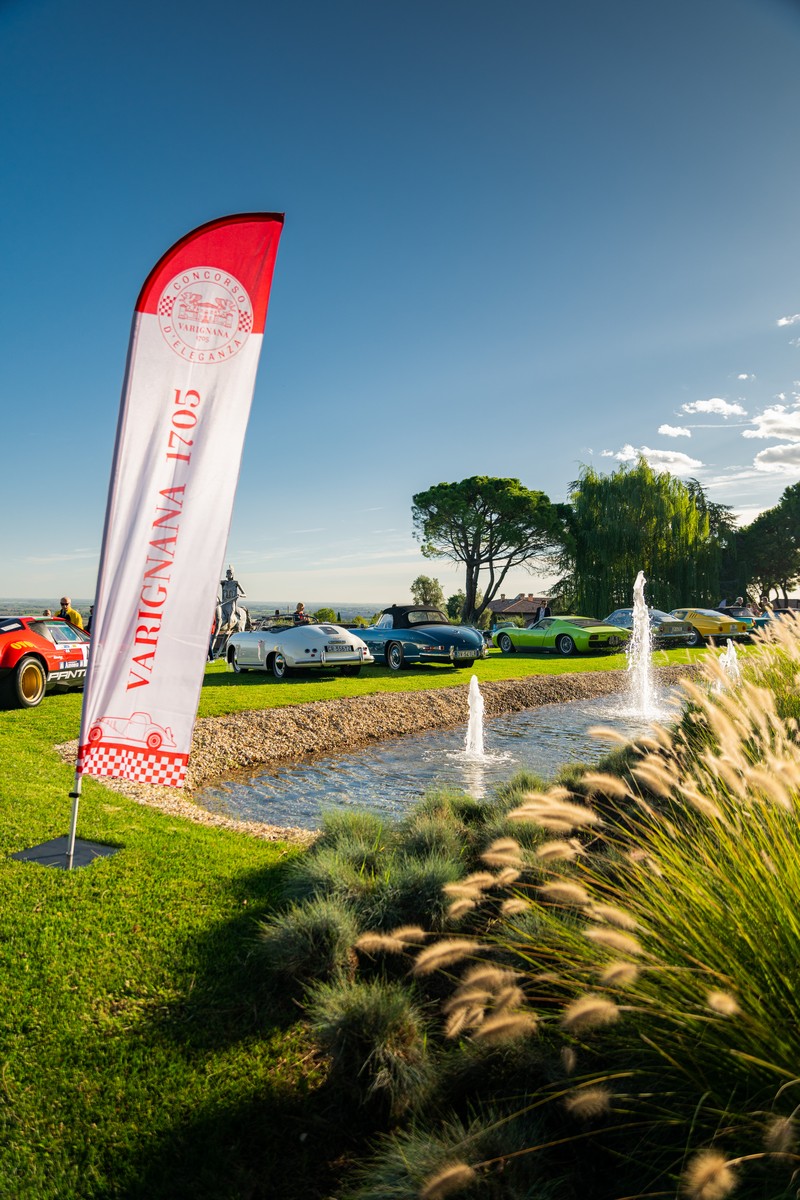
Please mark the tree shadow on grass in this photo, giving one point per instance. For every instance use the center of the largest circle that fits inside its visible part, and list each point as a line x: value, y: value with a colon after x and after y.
x: 230, y: 997
x: 278, y: 1146
x: 273, y: 1129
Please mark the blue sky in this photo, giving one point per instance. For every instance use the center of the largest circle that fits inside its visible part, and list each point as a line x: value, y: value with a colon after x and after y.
x: 519, y: 238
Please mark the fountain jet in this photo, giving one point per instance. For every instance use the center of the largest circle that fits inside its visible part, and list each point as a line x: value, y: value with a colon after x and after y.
x: 639, y: 652
x: 729, y: 661
x: 474, y: 743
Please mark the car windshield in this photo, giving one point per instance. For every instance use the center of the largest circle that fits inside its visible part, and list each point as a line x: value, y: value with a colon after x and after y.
x: 622, y: 616
x: 657, y: 615
x: 582, y: 622
x: 59, y: 632
x: 427, y: 616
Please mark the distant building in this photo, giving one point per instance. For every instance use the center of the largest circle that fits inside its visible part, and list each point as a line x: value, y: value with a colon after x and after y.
x: 517, y: 606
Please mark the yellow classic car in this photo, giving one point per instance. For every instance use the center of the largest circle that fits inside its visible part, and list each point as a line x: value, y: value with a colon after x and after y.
x: 710, y: 623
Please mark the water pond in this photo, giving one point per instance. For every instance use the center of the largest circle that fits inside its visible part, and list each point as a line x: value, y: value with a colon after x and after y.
x: 390, y: 777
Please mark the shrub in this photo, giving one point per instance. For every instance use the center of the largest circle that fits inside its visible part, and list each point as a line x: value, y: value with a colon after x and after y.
x: 346, y: 870
x: 375, y: 1037
x: 426, y: 833
x: 352, y: 826
x: 312, y: 941
x: 412, y: 891
x: 438, y: 1162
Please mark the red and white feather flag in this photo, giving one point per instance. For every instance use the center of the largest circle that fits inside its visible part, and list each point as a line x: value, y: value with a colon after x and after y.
x: 195, y: 344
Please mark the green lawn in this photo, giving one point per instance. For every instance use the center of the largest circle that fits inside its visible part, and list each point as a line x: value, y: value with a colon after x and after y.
x: 141, y: 1056
x: 225, y: 692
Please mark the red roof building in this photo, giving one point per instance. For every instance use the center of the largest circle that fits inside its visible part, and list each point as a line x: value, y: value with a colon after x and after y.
x: 518, y: 606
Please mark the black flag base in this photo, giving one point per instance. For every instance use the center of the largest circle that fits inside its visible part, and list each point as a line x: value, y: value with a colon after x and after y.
x: 55, y: 853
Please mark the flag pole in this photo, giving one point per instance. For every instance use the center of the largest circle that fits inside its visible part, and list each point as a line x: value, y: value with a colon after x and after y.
x: 75, y: 796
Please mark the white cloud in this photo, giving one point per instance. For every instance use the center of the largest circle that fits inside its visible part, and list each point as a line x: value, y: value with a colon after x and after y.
x: 745, y: 376
x: 722, y: 408
x: 674, y: 431
x: 779, y: 460
x: 607, y: 454
x: 793, y: 320
x: 660, y: 460
x: 778, y: 421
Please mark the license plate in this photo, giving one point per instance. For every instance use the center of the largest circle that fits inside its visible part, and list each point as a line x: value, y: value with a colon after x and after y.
x: 465, y: 654
x: 337, y: 647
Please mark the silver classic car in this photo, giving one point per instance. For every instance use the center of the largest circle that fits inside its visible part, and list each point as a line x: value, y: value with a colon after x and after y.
x: 283, y: 648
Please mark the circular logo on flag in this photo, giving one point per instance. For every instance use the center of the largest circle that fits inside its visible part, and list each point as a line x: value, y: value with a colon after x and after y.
x: 205, y: 315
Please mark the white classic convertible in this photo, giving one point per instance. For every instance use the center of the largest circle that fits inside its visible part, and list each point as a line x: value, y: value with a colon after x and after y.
x: 283, y: 648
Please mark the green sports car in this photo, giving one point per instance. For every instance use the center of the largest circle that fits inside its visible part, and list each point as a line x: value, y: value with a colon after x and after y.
x: 562, y: 634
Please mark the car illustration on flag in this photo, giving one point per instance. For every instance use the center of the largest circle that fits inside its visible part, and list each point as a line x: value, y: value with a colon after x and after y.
x: 139, y: 729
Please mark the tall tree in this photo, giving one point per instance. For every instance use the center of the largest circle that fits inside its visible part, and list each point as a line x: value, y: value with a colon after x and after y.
x: 490, y: 526
x: 428, y: 591
x: 637, y: 519
x: 770, y: 546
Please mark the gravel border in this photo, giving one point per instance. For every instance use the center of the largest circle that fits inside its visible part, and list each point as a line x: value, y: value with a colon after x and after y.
x: 245, y: 741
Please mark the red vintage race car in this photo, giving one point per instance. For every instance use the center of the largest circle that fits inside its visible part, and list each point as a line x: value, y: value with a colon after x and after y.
x: 38, y: 654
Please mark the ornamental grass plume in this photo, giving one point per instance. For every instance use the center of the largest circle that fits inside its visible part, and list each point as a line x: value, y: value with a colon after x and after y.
x: 612, y: 916
x: 445, y: 953
x: 657, y: 778
x: 380, y: 943
x: 451, y: 1179
x: 620, y: 974
x: 708, y: 1177
x: 506, y: 1027
x: 722, y: 1003
x: 410, y: 933
x: 606, y: 784
x: 555, y: 850
x: 554, y: 813
x: 588, y: 1103
x: 506, y: 877
x: 614, y: 940
x: 589, y: 1012
x: 564, y: 891
x: 780, y: 1136
x: 503, y: 852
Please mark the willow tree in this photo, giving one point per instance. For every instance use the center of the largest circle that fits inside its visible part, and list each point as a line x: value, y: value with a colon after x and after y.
x: 490, y: 526
x: 637, y: 519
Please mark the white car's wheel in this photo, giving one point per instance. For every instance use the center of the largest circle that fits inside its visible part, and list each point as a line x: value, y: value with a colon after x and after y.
x: 234, y: 661
x: 279, y: 668
x: 351, y: 669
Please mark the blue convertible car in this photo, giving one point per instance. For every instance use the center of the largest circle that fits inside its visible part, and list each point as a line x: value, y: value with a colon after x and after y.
x: 409, y: 633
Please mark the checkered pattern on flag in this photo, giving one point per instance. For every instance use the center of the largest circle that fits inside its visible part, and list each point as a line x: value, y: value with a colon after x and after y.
x: 195, y: 344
